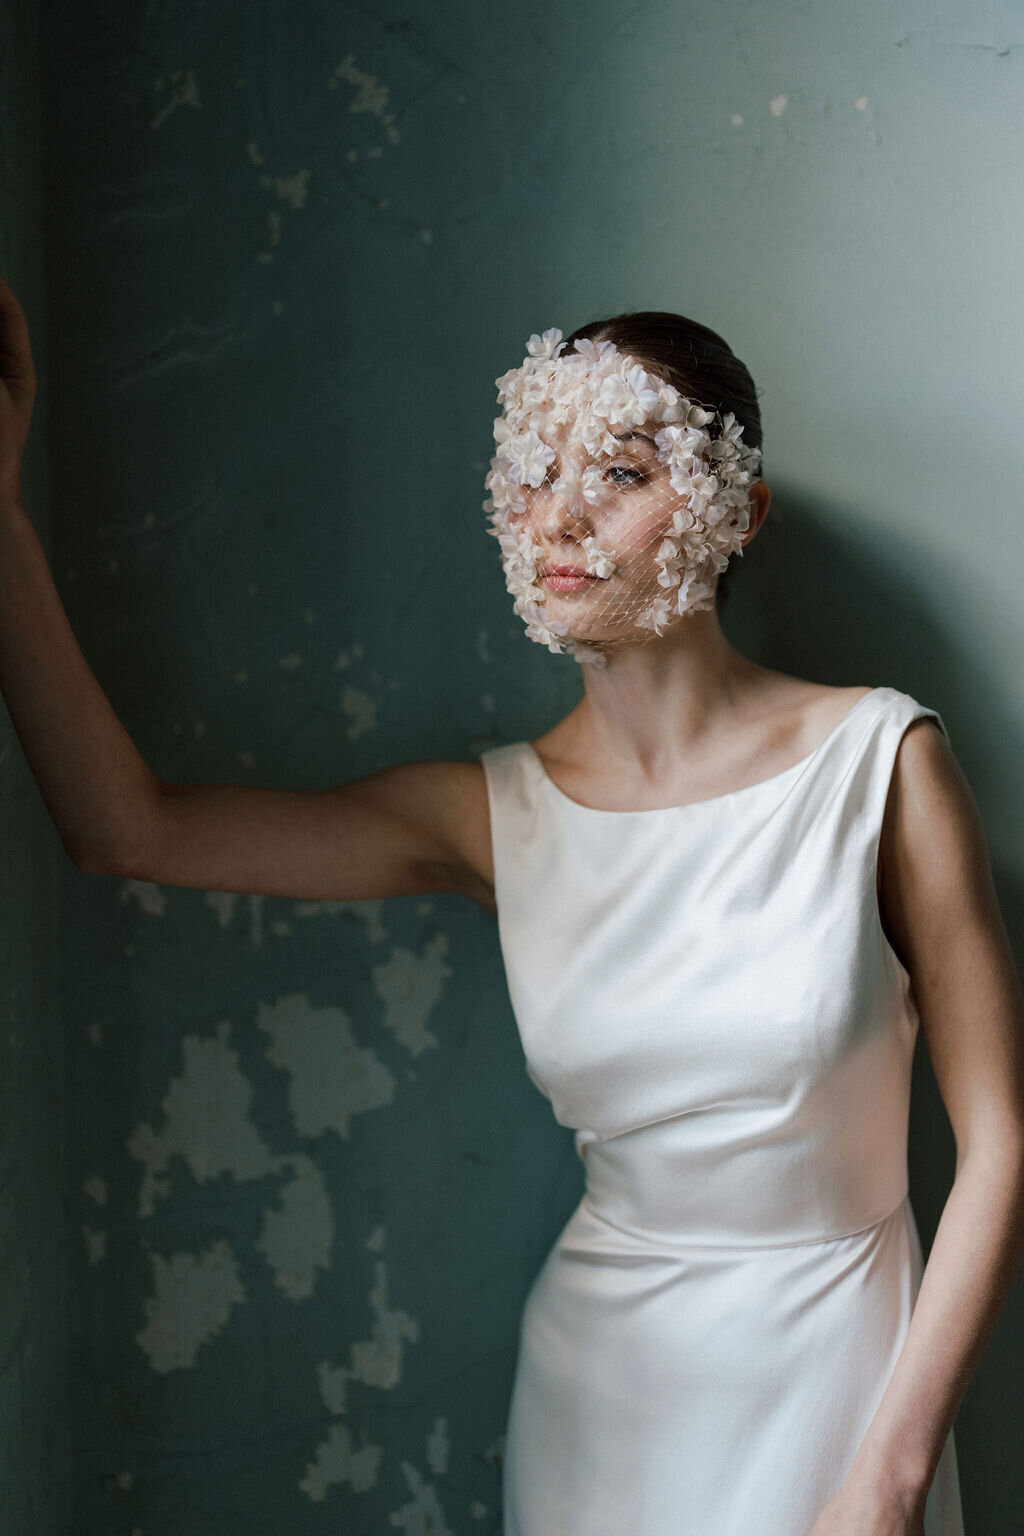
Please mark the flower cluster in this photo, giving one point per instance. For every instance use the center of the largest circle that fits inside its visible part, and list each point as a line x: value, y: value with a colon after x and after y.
x: 600, y: 390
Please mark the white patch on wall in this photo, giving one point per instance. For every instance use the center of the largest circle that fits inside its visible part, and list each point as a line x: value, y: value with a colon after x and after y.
x: 96, y: 1189
x: 861, y: 103
x: 438, y: 1448
x: 223, y: 903
x: 184, y: 93
x: 297, y: 1237
x: 332, y: 1077
x: 424, y: 1515
x: 778, y: 105
x: 292, y: 190
x: 375, y: 1241
x: 334, y: 1462
x: 410, y: 986
x: 150, y: 897
x: 368, y: 912
x: 206, y: 1122
x: 361, y: 710
x: 376, y: 1361
x: 194, y: 1295
x: 369, y: 95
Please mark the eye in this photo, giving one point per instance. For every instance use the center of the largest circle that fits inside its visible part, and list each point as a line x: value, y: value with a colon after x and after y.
x: 619, y: 474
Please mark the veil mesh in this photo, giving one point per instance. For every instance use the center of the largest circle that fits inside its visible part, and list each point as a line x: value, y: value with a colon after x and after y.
x: 616, y: 501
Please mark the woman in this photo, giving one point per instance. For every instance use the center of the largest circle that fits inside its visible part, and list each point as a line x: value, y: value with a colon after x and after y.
x: 726, y: 896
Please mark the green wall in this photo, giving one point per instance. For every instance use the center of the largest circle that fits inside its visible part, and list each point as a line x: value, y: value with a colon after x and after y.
x: 34, y: 1421
x: 290, y: 247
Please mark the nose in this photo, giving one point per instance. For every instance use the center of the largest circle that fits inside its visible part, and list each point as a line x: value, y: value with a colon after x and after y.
x: 561, y: 510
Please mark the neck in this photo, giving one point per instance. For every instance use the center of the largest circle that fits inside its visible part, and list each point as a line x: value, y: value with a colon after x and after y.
x: 653, y: 703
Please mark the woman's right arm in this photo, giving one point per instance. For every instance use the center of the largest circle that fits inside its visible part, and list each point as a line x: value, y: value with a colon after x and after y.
x: 417, y: 827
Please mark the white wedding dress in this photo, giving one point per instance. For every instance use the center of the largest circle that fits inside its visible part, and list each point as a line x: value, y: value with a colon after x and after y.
x: 706, y: 995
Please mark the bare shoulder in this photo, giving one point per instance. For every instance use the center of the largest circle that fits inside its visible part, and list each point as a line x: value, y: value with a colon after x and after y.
x: 933, y: 852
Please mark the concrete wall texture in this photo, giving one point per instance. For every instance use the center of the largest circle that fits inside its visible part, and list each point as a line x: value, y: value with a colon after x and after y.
x: 289, y: 248
x: 34, y: 1417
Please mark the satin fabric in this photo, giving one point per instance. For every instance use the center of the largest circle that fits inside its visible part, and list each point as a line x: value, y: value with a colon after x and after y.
x: 707, y: 997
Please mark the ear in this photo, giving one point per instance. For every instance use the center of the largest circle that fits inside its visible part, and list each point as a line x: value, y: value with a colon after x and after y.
x: 760, y: 501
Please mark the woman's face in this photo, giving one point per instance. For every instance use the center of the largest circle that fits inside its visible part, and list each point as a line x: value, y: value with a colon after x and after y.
x: 616, y: 509
x: 616, y: 505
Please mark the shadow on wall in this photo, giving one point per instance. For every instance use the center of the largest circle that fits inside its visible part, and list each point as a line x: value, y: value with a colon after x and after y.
x: 817, y: 601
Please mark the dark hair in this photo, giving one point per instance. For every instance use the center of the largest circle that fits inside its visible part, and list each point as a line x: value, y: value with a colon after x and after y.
x: 692, y: 358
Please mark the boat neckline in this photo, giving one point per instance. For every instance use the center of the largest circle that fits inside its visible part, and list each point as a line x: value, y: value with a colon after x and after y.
x: 731, y: 794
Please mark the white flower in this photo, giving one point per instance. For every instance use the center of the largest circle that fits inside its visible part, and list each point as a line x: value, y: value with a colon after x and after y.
x: 544, y: 346
x: 600, y: 562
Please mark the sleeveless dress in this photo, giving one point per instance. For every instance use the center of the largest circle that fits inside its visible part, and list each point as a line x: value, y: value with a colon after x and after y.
x: 707, y: 997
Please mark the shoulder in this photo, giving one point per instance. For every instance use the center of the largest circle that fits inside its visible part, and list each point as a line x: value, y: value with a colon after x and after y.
x: 933, y: 854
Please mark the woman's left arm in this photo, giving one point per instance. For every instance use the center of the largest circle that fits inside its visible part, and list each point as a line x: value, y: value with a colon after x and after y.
x: 940, y: 911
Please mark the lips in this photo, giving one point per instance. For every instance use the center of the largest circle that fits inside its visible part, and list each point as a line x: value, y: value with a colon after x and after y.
x: 568, y: 578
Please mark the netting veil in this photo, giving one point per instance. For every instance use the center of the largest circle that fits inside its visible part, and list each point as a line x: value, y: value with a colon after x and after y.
x: 616, y: 501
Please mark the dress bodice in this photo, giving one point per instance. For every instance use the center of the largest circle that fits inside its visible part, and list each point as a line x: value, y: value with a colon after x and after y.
x: 706, y: 994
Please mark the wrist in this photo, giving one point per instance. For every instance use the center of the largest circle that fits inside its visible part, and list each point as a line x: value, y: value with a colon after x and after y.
x: 899, y: 1467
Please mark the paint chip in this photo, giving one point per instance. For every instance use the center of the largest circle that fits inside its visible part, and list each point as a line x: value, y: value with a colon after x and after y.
x: 778, y: 105
x: 410, y: 986
x: 333, y: 1078
x: 194, y: 1296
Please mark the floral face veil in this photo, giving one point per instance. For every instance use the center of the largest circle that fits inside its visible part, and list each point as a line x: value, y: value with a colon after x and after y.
x: 614, y: 505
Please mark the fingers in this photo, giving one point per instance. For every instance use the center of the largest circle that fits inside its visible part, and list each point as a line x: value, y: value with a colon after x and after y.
x: 16, y: 367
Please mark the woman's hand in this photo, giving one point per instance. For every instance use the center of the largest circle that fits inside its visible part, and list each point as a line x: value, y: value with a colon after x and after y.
x: 871, y: 1505
x: 17, y: 392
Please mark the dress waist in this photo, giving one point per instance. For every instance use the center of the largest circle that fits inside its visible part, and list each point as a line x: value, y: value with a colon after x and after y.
x: 661, y: 1184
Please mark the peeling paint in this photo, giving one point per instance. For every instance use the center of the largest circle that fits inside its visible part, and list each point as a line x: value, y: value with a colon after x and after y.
x: 150, y: 897
x: 424, y: 1515
x: 368, y: 912
x: 410, y: 986
x: 297, y: 1238
x: 376, y: 1361
x: 361, y: 710
x: 332, y: 1077
x: 438, y: 1447
x: 184, y: 93
x: 290, y: 189
x: 206, y: 1122
x: 194, y: 1295
x: 370, y: 96
x: 335, y: 1462
x: 96, y: 1189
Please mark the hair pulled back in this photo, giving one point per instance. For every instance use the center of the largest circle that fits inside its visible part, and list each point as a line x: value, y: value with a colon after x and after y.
x: 687, y: 355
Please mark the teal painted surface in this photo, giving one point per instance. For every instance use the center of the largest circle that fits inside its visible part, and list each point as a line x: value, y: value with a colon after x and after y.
x: 34, y: 1420
x: 292, y: 247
